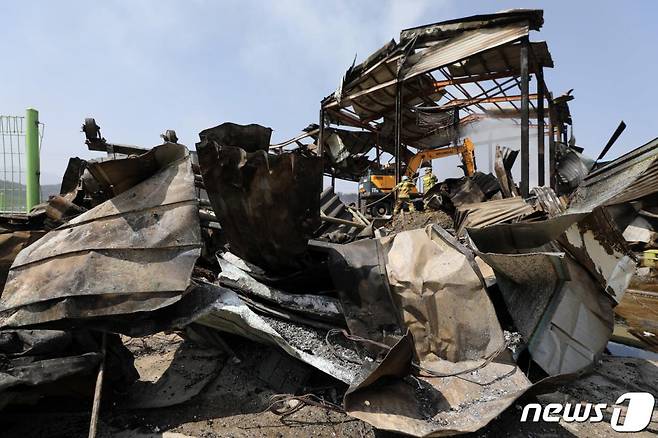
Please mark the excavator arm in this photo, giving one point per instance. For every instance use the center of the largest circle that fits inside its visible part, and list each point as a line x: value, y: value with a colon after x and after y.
x: 466, y: 150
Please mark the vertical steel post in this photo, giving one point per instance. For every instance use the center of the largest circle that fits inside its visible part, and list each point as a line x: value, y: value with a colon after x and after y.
x: 525, y: 120
x: 541, y: 157
x: 398, y: 128
x: 32, y: 167
x: 321, y: 132
x: 551, y: 143
x: 321, y: 144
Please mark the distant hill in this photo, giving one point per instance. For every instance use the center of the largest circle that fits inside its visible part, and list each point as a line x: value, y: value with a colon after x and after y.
x: 12, y: 195
x: 49, y: 189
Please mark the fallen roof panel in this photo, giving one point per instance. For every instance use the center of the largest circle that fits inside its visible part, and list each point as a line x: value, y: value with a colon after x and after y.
x: 268, y: 205
x: 629, y: 177
x: 134, y: 252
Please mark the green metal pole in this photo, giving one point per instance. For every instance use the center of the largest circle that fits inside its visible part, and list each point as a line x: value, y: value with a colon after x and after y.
x: 32, y: 186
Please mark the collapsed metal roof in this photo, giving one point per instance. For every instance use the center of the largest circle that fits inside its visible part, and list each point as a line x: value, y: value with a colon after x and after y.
x: 482, y: 51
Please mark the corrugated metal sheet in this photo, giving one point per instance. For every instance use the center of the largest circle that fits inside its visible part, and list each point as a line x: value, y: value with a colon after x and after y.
x: 265, y: 210
x: 629, y: 177
x: 598, y: 245
x: 132, y: 253
x: 548, y: 201
x: 331, y: 206
x: 645, y: 184
x: 462, y: 46
x: 527, y: 278
x: 571, y: 170
x: 576, y: 327
x: 230, y: 314
x: 502, y: 59
x: 491, y: 212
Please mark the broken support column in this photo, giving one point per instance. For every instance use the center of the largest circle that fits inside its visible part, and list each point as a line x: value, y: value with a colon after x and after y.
x: 525, y: 120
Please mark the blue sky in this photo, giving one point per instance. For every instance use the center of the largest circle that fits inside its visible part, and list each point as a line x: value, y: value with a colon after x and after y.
x: 140, y: 67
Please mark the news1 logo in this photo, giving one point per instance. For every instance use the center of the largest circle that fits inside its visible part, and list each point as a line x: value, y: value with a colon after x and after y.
x: 638, y: 413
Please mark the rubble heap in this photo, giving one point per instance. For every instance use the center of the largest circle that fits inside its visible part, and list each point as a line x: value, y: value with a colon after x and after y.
x: 432, y: 324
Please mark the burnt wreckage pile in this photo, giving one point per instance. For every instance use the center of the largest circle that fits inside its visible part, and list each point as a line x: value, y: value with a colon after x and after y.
x: 432, y: 328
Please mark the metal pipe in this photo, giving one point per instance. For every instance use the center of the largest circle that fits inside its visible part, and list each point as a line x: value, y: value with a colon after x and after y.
x: 32, y: 171
x: 525, y: 120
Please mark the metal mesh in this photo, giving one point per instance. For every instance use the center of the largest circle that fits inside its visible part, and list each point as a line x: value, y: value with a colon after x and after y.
x: 12, y: 163
x: 12, y: 174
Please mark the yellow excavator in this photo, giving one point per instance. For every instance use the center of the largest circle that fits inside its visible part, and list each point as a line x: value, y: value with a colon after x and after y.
x: 376, y: 185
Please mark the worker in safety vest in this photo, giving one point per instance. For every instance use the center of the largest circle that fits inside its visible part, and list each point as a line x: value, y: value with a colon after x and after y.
x: 403, y: 194
x: 429, y: 180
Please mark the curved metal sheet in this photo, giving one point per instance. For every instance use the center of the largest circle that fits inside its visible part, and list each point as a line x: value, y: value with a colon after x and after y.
x: 134, y: 252
x: 268, y: 205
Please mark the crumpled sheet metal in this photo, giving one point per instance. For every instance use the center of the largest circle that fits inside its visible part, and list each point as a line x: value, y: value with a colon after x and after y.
x: 312, y: 306
x: 389, y: 398
x: 268, y: 205
x: 422, y: 280
x: 569, y: 322
x: 576, y: 328
x: 451, y: 327
x: 359, y: 273
x: 451, y: 28
x: 572, y: 168
x: 251, y: 137
x: 331, y: 207
x: 230, y: 314
x: 11, y: 243
x: 520, y: 236
x: 468, y: 192
x: 132, y: 253
x: 115, y: 176
x: 629, y: 177
x: 439, y: 291
x: 598, y: 245
x: 571, y: 319
x: 36, y: 363
x: 548, y: 201
x: 343, y: 144
x: 527, y: 278
x: 487, y: 213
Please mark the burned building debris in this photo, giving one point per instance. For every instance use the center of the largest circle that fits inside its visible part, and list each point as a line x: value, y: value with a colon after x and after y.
x: 431, y: 322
